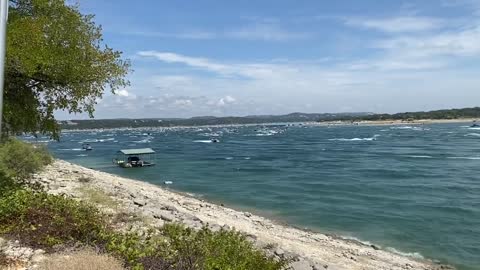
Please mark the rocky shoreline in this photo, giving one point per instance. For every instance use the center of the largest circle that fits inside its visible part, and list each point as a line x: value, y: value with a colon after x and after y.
x: 150, y: 205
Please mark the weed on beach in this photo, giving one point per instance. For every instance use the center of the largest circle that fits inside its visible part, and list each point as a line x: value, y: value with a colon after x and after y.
x: 41, y: 220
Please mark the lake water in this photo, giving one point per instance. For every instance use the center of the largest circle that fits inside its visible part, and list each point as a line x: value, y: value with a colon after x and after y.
x: 412, y: 189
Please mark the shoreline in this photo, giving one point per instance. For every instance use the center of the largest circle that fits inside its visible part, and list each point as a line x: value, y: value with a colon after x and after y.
x: 311, y: 249
x: 325, y: 123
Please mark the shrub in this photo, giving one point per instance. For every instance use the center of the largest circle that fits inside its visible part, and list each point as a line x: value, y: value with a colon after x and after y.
x: 181, y: 248
x: 7, y: 184
x: 19, y: 159
x: 42, y: 220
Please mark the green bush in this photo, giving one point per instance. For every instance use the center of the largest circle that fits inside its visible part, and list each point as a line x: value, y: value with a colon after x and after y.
x: 19, y: 160
x: 42, y: 220
x: 177, y: 247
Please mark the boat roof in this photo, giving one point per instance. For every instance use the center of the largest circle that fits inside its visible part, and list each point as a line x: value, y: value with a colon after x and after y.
x: 139, y: 151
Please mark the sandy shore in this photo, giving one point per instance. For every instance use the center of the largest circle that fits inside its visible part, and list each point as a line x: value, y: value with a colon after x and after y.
x: 157, y: 205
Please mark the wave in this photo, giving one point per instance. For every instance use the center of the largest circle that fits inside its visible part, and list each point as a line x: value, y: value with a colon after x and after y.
x: 143, y: 141
x: 355, y: 139
x: 469, y: 158
x: 474, y: 128
x: 411, y: 128
x: 415, y: 255
x: 402, y: 127
x: 71, y: 149
x: 473, y: 134
x: 96, y: 140
x: 229, y: 158
x: 419, y: 156
x: 203, y: 141
x: 82, y: 155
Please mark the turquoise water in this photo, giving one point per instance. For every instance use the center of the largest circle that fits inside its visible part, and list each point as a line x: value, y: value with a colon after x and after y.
x: 414, y: 189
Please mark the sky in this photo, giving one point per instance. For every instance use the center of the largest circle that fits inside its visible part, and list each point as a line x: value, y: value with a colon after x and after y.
x: 221, y: 58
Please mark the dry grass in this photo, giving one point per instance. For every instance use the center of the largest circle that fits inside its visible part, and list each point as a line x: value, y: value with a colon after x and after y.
x: 81, y: 260
x: 96, y: 196
x: 10, y: 264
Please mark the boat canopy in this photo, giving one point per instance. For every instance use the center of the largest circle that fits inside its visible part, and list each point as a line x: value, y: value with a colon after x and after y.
x: 140, y: 151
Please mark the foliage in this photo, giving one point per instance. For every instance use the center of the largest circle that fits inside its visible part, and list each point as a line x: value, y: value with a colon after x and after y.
x: 179, y: 247
x: 18, y: 160
x: 42, y: 220
x: 56, y: 60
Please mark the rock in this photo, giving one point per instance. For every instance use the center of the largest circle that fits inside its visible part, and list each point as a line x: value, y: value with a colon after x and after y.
x: 139, y: 203
x: 132, y: 195
x: 375, y: 247
x: 301, y: 265
x: 320, y: 237
x: 37, y: 258
x: 215, y: 227
x: 169, y: 208
x: 3, y: 243
x: 251, y: 237
x: 247, y: 214
x: 167, y: 217
x: 279, y: 252
x: 292, y: 256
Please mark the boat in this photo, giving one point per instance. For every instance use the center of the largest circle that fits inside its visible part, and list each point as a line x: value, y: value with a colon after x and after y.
x: 474, y: 124
x: 87, y: 147
x: 132, y: 158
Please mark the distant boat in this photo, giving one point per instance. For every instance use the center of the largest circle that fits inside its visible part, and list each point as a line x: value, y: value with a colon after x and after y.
x: 87, y: 147
x: 129, y: 158
x: 214, y: 140
x: 474, y: 124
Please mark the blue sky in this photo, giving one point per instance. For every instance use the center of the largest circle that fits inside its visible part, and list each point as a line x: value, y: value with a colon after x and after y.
x: 221, y: 58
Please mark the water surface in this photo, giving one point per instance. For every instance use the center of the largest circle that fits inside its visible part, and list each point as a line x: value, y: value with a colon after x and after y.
x: 415, y: 189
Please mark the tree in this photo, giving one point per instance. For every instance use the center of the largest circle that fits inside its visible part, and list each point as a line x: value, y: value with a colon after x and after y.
x: 56, y: 60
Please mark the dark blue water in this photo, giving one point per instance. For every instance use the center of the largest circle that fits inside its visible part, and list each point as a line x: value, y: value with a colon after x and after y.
x: 414, y: 189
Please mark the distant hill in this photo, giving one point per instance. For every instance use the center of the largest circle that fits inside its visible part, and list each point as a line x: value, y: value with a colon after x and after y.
x: 204, y: 120
x: 259, y: 119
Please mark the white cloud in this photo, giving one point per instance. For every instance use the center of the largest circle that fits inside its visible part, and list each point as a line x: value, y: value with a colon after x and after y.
x: 183, y: 102
x: 122, y: 93
x: 267, y: 32
x: 464, y: 42
x: 194, y: 35
x: 227, y: 100
x: 397, y: 24
x: 191, y: 61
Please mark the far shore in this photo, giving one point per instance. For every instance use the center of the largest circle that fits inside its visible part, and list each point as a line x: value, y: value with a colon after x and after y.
x: 310, y: 123
x: 157, y: 206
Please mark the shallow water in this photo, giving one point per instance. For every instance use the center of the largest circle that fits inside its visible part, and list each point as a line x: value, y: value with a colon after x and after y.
x: 412, y: 189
